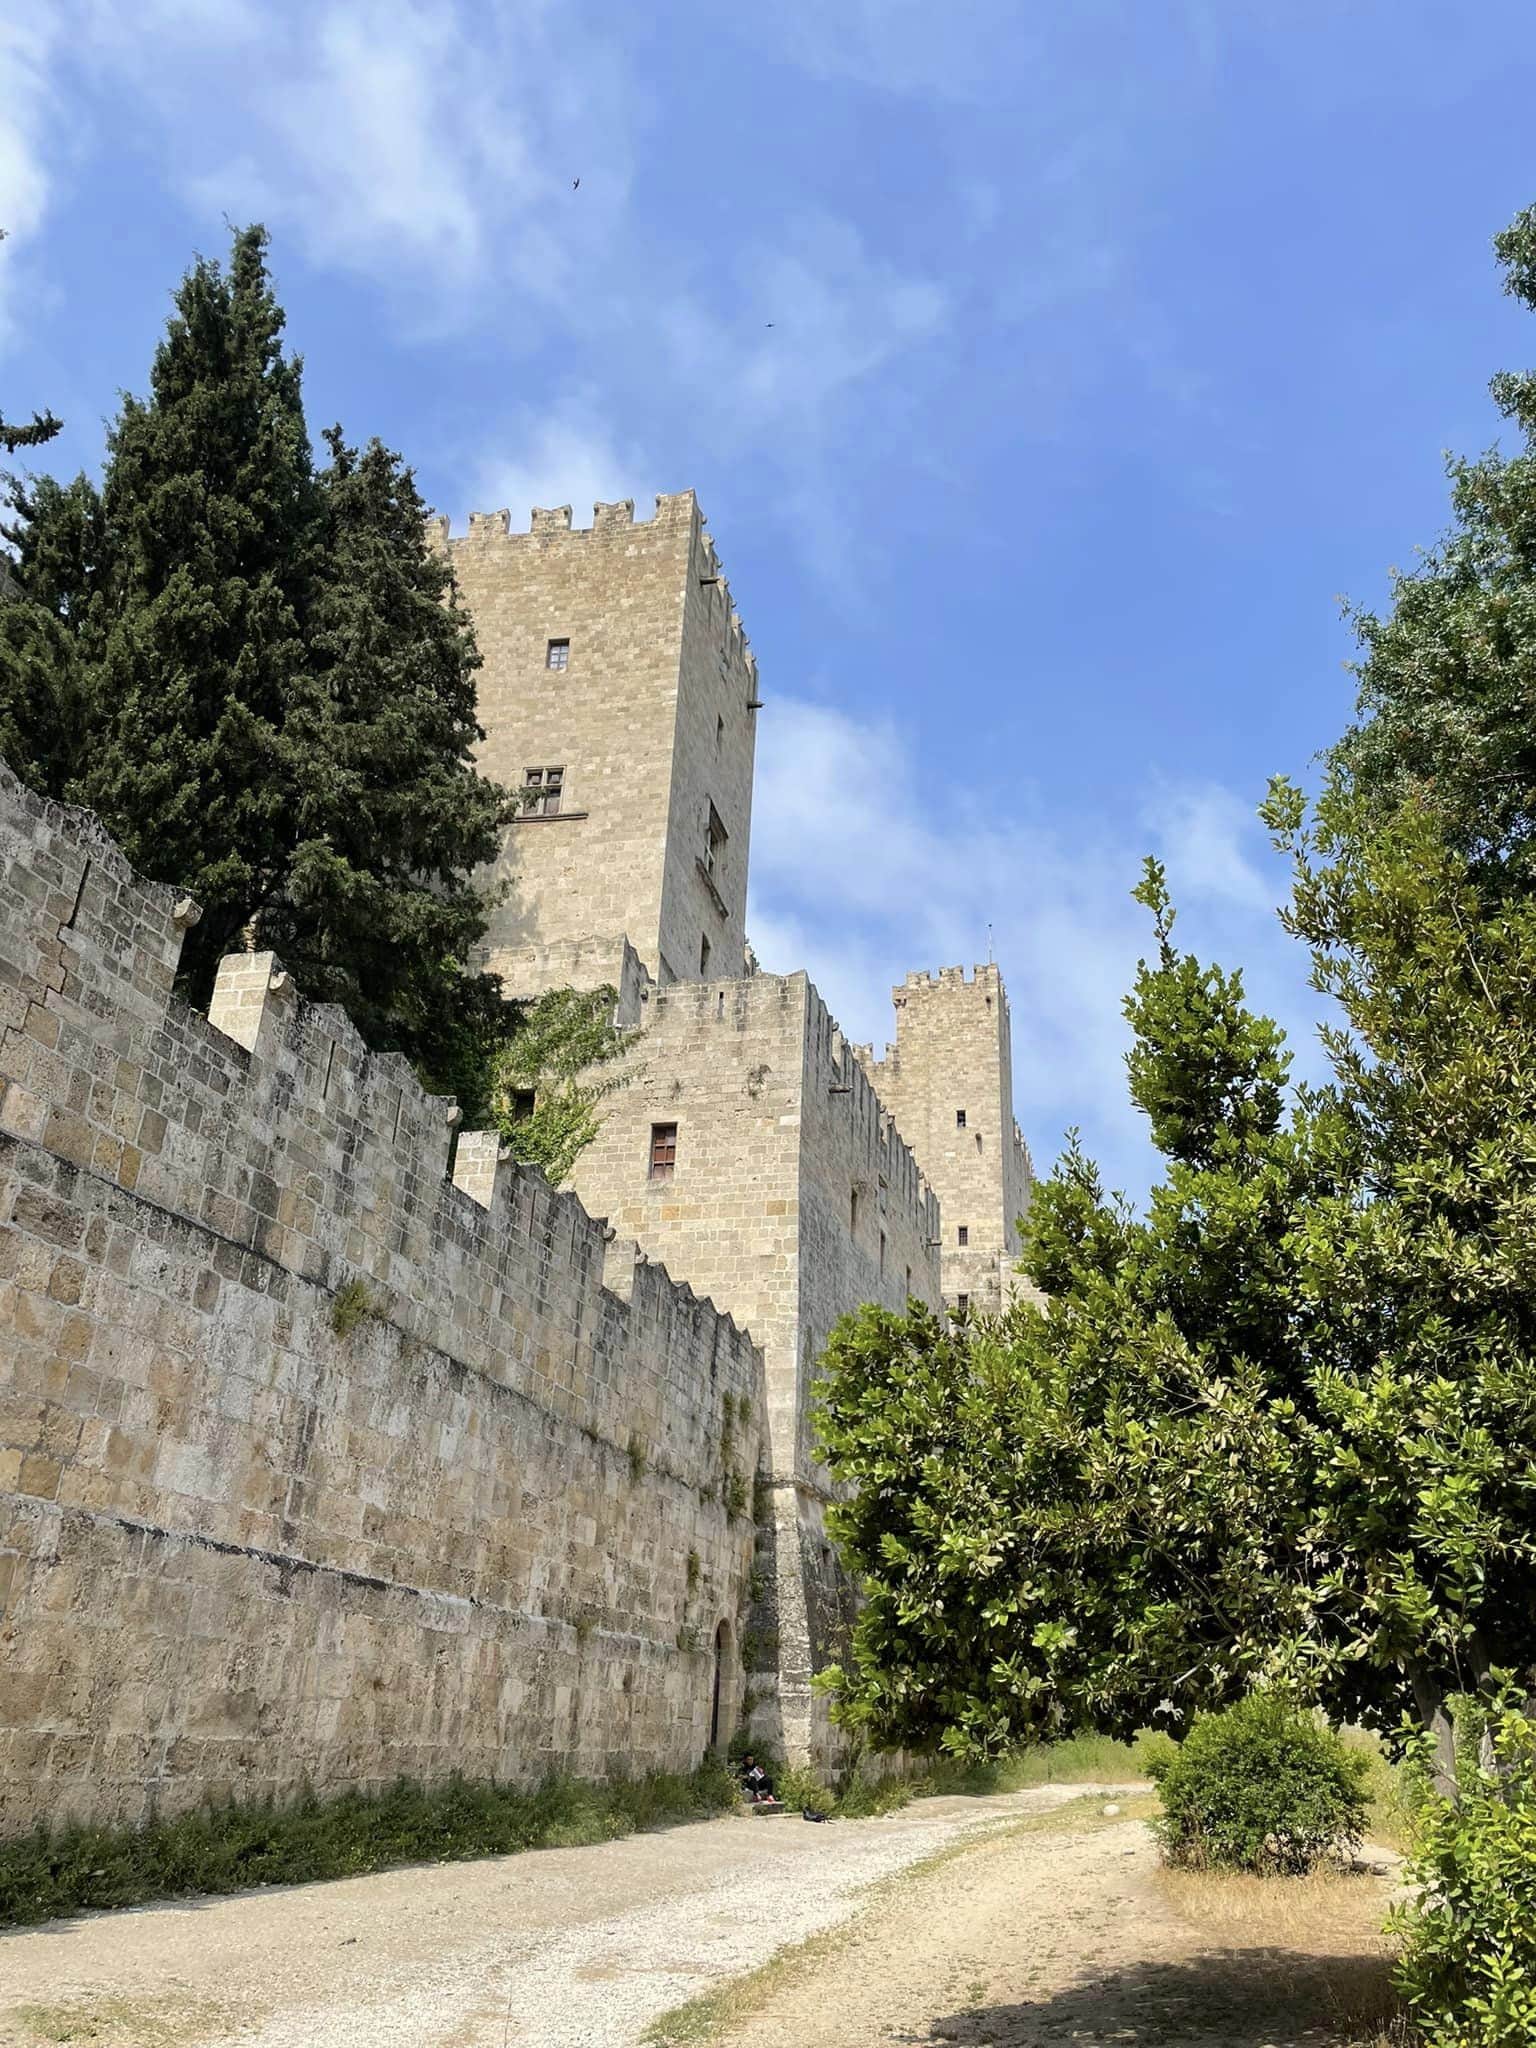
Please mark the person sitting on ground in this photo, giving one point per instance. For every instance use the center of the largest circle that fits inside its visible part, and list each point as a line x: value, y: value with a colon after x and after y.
x: 755, y: 1781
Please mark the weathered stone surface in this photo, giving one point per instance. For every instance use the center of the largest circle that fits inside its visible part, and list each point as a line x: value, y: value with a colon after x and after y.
x: 794, y: 1198
x: 953, y: 1059
x: 650, y: 721
x: 243, y: 1546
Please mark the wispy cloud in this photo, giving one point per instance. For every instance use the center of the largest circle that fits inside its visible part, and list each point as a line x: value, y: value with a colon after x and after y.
x: 861, y: 875
x: 565, y: 455
x: 25, y: 97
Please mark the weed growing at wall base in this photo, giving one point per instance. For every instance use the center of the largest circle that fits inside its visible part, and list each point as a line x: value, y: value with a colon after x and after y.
x: 233, y: 1848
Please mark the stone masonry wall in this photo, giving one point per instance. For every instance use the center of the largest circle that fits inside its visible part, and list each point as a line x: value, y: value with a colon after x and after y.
x: 243, y: 1546
x: 794, y: 1198
x: 649, y: 721
x: 954, y: 1054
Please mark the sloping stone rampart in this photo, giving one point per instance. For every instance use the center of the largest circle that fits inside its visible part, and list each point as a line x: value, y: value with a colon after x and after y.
x: 316, y: 1467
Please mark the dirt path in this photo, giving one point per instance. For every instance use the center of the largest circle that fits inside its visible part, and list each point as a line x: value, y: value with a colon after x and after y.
x: 566, y: 1948
x: 1074, y: 1934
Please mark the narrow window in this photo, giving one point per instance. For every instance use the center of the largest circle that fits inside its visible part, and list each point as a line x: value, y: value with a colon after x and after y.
x: 962, y: 1303
x: 715, y: 836
x: 541, y: 792
x: 882, y: 1254
x: 909, y: 1283
x: 521, y: 1105
x: 959, y: 1119
x: 963, y: 1235
x: 704, y: 953
x: 853, y: 1211
x: 558, y: 654
x: 663, y: 1150
x: 719, y: 732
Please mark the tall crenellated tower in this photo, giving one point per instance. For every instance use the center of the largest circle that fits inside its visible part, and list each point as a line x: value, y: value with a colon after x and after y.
x: 948, y: 1082
x: 619, y: 693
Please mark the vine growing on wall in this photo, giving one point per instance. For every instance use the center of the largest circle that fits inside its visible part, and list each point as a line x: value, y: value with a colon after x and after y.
x: 548, y: 1081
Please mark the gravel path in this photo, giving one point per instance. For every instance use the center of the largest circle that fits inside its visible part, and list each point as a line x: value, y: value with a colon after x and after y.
x: 561, y: 1948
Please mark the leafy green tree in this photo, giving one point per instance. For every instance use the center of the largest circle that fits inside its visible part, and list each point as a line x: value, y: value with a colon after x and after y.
x: 211, y: 510
x: 1447, y: 673
x: 377, y: 905
x: 1282, y: 1427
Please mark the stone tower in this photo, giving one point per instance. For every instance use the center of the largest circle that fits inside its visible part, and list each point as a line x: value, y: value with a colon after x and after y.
x: 948, y: 1082
x: 618, y: 692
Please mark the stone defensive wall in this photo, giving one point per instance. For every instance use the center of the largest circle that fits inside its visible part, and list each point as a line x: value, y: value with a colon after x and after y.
x: 318, y: 1466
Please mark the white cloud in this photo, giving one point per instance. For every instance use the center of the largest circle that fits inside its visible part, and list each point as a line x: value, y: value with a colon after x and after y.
x: 1206, y: 834
x: 861, y: 874
x: 565, y: 456
x: 24, y: 98
x: 422, y: 144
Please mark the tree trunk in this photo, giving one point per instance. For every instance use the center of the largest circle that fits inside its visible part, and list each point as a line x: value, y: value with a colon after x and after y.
x: 1429, y: 1698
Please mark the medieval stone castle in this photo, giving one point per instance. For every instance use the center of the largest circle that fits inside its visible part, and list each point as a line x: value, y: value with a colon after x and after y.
x: 335, y: 1444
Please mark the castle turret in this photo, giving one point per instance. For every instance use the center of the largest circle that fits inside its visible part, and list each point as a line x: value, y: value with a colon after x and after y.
x: 619, y: 698
x: 948, y: 1081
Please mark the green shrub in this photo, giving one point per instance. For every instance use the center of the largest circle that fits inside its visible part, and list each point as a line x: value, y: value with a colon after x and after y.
x: 1152, y: 1752
x: 1468, y: 1965
x: 229, y: 1848
x: 351, y: 1305
x: 1260, y: 1787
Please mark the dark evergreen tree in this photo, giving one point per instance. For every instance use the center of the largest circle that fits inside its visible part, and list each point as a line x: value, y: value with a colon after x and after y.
x: 41, y: 427
x: 212, y: 516
x: 262, y: 681
x: 378, y: 908
x: 51, y: 610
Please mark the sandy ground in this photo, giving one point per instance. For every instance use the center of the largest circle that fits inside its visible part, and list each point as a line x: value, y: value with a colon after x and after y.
x: 1075, y: 1935
x: 568, y: 1948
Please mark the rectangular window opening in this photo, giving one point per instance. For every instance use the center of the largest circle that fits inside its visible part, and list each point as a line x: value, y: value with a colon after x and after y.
x: 704, y: 953
x: 558, y: 654
x: 882, y: 1253
x: 521, y: 1105
x: 715, y: 836
x: 963, y: 1235
x: 663, y: 1150
x: 959, y: 1119
x: 853, y: 1210
x: 541, y: 792
x: 962, y: 1304
x: 719, y: 732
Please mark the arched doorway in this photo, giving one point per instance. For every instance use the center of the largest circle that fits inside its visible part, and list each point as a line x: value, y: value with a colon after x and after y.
x: 718, y: 1731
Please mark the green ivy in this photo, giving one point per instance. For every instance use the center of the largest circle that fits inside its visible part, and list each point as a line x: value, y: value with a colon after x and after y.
x: 561, y: 1042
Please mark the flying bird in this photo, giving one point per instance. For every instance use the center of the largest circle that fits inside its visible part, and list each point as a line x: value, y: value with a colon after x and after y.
x: 575, y: 184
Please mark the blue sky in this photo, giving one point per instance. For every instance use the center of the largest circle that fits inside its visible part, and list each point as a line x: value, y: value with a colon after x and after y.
x: 1110, y: 344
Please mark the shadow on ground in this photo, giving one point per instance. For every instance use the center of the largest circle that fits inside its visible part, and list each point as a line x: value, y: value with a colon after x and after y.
x: 1225, y: 1998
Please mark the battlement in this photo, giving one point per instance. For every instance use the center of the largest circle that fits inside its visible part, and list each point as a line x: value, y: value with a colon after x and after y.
x: 675, y: 511
x: 985, y: 979
x: 270, y: 1121
x: 326, y: 1465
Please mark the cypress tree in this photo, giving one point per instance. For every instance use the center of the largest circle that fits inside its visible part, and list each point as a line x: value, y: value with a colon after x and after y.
x: 260, y: 677
x: 50, y: 622
x: 211, y: 509
x: 377, y: 908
